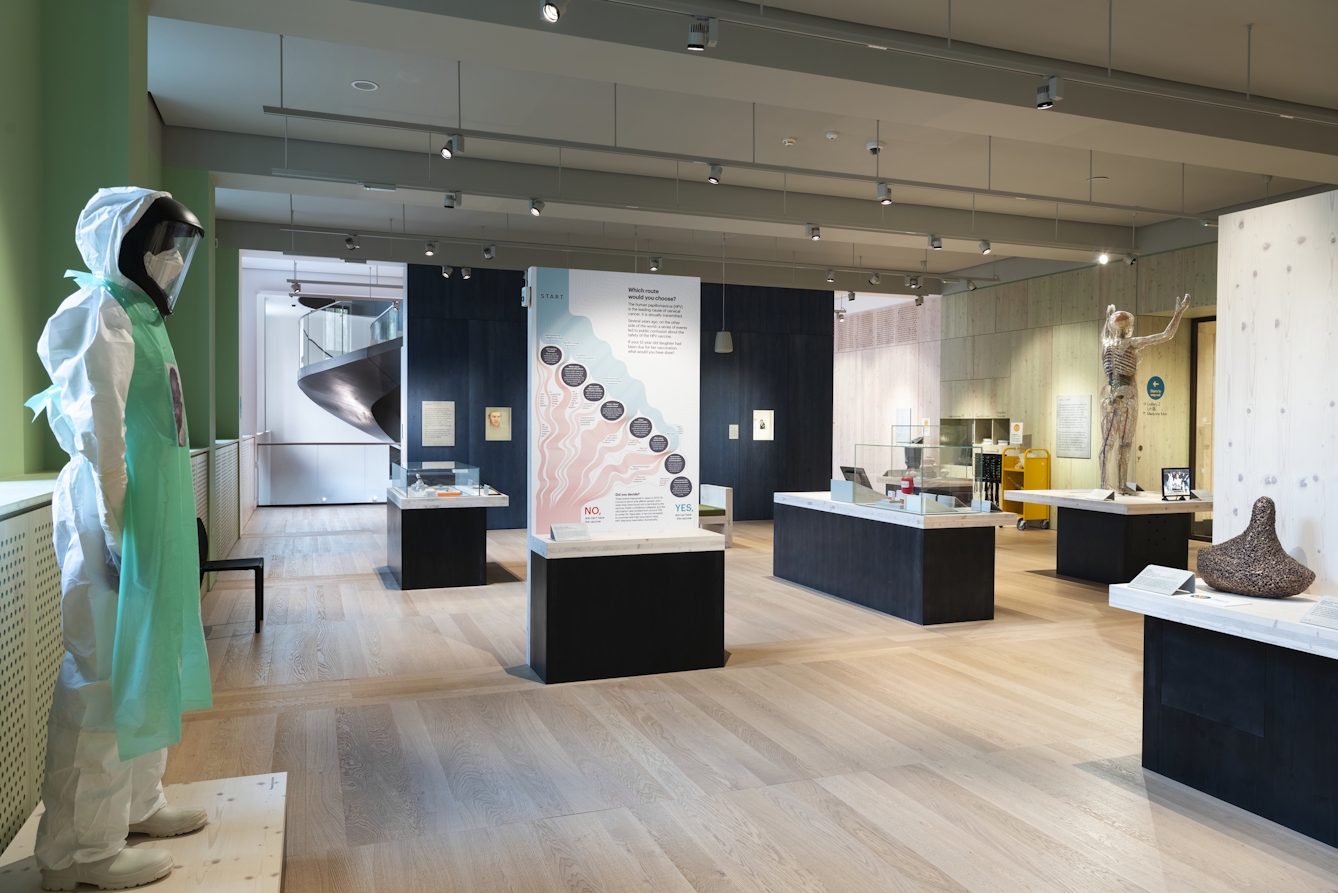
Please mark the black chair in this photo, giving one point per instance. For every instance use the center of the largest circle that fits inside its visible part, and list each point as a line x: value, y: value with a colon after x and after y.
x: 232, y: 564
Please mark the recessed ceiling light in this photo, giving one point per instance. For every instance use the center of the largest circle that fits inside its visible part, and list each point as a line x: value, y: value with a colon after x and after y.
x: 365, y: 86
x: 788, y: 141
x: 833, y: 134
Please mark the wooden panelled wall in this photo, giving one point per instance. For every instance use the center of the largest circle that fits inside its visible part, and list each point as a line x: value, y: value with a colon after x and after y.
x: 1008, y: 351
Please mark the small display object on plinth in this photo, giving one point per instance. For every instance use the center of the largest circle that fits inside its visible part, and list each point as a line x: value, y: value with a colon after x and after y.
x: 1254, y: 563
x: 437, y: 524
x: 621, y: 580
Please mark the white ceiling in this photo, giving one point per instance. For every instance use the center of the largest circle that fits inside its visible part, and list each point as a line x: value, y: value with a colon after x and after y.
x: 204, y: 72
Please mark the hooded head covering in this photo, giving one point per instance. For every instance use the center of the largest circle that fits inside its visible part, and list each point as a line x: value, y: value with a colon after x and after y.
x: 103, y: 224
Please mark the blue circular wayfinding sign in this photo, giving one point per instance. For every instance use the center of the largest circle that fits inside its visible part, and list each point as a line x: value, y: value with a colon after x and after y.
x: 1156, y: 387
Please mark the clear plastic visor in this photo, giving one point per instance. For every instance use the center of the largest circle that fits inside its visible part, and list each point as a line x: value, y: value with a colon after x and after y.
x: 167, y: 258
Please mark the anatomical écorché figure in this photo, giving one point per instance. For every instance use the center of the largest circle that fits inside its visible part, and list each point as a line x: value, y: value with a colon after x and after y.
x: 1119, y: 392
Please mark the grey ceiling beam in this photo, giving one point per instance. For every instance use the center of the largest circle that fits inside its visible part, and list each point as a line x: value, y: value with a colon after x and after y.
x: 333, y: 162
x: 397, y: 248
x: 781, y: 39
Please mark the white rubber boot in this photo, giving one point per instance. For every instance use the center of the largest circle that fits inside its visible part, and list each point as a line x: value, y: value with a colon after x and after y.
x: 128, y: 868
x: 171, y: 821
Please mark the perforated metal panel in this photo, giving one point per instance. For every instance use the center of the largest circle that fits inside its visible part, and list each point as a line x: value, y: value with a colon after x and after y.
x: 224, y: 505
x: 30, y: 653
x: 246, y: 480
x: 199, y: 472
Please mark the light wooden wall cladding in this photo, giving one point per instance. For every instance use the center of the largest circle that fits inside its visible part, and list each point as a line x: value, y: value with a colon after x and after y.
x: 1277, y: 384
x: 1007, y: 351
x: 898, y: 366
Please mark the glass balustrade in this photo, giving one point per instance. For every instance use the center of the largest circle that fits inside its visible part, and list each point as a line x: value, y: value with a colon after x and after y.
x: 343, y: 326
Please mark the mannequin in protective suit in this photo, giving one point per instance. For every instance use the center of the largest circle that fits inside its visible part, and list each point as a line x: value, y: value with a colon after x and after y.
x: 124, y: 518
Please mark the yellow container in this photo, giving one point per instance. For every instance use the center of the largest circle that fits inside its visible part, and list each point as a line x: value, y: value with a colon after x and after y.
x: 1026, y: 469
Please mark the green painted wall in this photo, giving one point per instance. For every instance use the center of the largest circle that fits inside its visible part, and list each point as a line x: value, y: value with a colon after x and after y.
x: 93, y: 69
x: 21, y: 317
x: 191, y: 325
x: 227, y: 343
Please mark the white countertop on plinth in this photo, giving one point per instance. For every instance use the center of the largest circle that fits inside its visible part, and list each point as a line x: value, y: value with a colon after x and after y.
x: 402, y: 500
x: 1120, y: 505
x: 1276, y: 621
x: 636, y: 542
x: 822, y: 501
x: 21, y: 495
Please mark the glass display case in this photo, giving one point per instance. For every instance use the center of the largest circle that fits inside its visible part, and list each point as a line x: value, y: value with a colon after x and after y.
x: 926, y: 470
x: 420, y: 479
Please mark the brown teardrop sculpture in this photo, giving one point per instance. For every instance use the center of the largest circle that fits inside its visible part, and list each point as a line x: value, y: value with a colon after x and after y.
x: 1255, y: 563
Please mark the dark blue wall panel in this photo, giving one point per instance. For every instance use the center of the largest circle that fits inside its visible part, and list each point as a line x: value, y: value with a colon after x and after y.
x: 782, y: 361
x: 467, y: 343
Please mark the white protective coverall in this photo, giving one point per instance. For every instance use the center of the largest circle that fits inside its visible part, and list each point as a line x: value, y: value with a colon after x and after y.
x: 91, y: 796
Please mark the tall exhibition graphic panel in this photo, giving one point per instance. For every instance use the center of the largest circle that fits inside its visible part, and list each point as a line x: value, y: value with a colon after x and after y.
x: 614, y: 363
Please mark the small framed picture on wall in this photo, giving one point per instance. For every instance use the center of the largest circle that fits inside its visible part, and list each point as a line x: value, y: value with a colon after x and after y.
x: 497, y: 423
x: 764, y: 424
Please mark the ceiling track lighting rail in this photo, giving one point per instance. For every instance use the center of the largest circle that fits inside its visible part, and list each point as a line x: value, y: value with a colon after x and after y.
x: 658, y: 259
x: 297, y: 282
x: 798, y: 24
x: 714, y: 165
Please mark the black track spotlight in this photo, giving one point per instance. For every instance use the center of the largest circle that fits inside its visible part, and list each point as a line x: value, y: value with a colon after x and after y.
x: 884, y: 194
x: 655, y: 264
x: 714, y: 178
x: 985, y: 246
x: 850, y: 296
x: 446, y: 272
x: 453, y: 146
x: 452, y: 200
x: 831, y: 275
x: 466, y: 272
x: 536, y: 207
x: 1049, y: 93
x: 936, y: 243
x: 489, y: 252
x: 430, y: 249
x: 813, y: 231
x: 552, y: 10
x: 351, y: 243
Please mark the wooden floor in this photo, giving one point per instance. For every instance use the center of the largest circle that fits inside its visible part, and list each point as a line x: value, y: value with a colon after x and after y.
x: 840, y: 750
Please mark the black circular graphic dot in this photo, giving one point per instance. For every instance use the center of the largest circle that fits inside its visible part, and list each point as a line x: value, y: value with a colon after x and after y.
x: 573, y: 375
x: 613, y: 410
x: 639, y: 426
x: 659, y: 443
x: 594, y: 392
x: 680, y: 487
x: 551, y: 355
x: 674, y: 463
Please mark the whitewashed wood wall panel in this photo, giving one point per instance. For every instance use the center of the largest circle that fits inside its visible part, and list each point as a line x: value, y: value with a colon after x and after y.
x: 1277, y: 381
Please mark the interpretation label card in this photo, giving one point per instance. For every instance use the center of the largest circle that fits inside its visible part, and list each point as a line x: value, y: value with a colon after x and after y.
x: 1324, y: 613
x: 1163, y: 580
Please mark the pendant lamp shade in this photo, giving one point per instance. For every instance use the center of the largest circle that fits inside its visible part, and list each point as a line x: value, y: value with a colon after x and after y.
x: 724, y: 342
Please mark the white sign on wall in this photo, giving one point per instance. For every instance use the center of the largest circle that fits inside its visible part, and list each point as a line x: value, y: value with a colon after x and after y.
x: 614, y: 361
x: 1015, y: 434
x: 438, y: 423
x: 1073, y: 426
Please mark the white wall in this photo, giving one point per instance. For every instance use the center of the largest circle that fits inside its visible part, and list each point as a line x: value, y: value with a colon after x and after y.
x: 1277, y: 382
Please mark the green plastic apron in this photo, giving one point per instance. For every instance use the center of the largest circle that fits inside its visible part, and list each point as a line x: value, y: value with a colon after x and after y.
x: 159, y: 664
